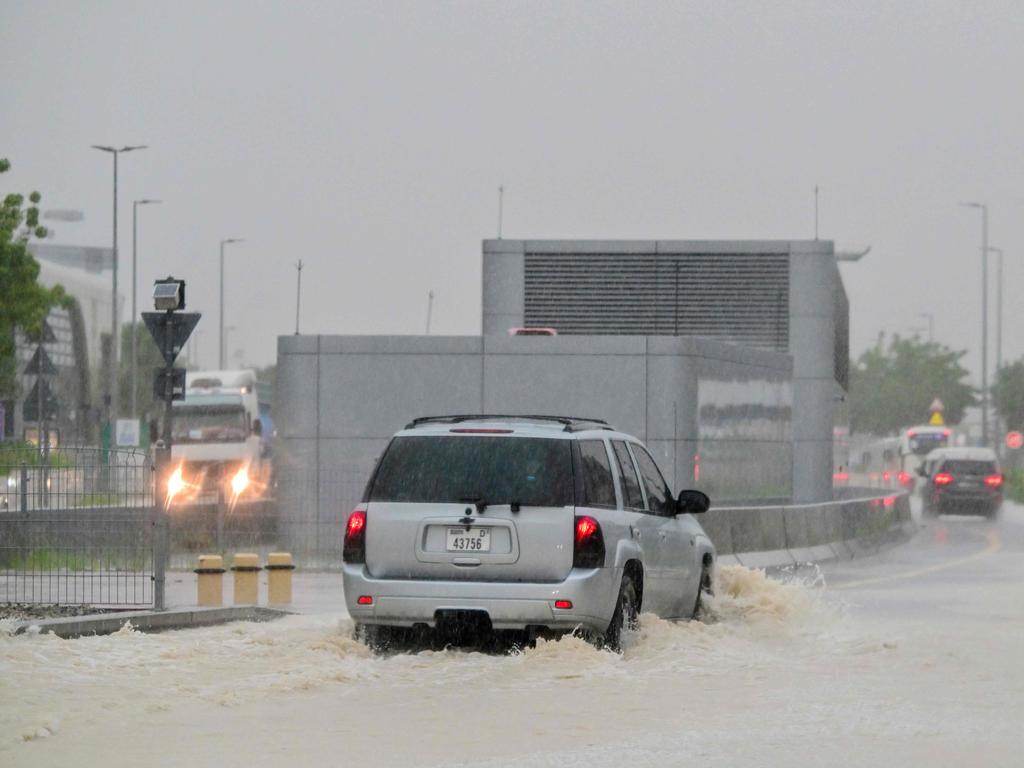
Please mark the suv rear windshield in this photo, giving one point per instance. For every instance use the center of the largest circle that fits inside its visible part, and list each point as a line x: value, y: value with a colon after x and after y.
x: 534, y: 472
x: 968, y: 467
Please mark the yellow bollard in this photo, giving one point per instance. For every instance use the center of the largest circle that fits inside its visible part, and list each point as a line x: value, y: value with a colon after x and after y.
x: 210, y: 581
x: 279, y: 578
x: 246, y: 566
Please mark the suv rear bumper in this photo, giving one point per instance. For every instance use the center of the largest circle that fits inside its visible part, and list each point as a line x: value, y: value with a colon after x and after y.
x: 509, y: 605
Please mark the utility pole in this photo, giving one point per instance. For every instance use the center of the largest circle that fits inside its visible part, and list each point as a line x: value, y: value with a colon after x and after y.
x: 501, y: 207
x: 999, y: 306
x: 135, y: 285
x: 228, y: 241
x: 430, y: 308
x: 984, y: 319
x: 298, y: 294
x: 815, y: 211
x: 115, y: 341
x: 931, y: 325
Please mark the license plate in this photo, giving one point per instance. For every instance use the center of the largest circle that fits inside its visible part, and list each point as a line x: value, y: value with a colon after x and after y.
x: 471, y: 540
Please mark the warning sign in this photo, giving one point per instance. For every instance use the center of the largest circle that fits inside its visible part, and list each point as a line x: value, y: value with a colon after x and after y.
x: 936, y: 420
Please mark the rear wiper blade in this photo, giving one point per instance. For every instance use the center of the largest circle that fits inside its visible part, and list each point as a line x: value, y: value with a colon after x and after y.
x: 478, y: 501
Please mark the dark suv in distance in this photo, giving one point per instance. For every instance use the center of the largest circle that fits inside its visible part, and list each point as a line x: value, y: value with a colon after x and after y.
x: 961, y: 481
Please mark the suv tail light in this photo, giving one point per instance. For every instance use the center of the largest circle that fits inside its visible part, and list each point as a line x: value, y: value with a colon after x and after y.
x: 943, y: 478
x: 354, y: 550
x: 904, y: 478
x: 994, y: 481
x: 588, y: 543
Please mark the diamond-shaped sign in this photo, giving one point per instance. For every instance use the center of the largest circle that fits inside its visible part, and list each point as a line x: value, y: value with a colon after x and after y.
x: 30, y: 408
x: 178, y: 326
x: 41, y: 364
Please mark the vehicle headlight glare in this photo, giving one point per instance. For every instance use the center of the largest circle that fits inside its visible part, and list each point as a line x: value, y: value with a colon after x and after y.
x: 240, y: 481
x: 175, y: 484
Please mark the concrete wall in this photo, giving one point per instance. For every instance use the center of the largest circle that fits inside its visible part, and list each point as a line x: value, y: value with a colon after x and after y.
x: 814, y: 283
x: 763, y: 536
x: 339, y: 399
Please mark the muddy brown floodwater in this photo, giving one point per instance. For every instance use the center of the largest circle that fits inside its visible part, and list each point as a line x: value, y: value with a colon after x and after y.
x: 909, y: 658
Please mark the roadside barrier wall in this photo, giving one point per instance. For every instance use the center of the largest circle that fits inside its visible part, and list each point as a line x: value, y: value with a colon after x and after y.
x: 799, y: 532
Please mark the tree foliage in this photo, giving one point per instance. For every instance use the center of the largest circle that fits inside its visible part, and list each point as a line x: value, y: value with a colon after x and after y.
x: 149, y: 360
x: 892, y: 387
x: 1008, y: 394
x: 24, y: 302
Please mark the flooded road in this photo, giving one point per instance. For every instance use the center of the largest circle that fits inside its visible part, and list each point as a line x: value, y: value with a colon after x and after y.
x: 909, y: 657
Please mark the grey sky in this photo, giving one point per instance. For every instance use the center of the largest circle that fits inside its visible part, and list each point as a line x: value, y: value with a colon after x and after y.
x: 369, y: 139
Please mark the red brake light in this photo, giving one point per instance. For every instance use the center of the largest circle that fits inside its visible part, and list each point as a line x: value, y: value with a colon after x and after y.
x: 903, y: 478
x: 563, y: 605
x: 588, y: 543
x: 365, y: 600
x: 585, y: 528
x: 994, y: 481
x: 481, y: 431
x: 943, y: 478
x: 354, y: 549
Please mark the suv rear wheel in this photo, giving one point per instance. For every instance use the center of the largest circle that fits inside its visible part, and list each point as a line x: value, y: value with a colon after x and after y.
x: 705, y: 588
x: 626, y: 616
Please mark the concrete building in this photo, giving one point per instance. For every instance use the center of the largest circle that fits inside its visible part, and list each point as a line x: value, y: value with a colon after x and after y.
x: 84, y: 273
x: 784, y: 295
x: 714, y: 415
x: 728, y: 358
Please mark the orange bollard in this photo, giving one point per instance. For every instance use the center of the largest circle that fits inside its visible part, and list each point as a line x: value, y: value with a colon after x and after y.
x: 279, y: 578
x: 210, y: 581
x: 246, y: 566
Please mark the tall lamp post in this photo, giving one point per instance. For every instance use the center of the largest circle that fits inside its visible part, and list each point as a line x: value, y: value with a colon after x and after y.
x: 114, y: 328
x: 931, y: 325
x: 984, y: 318
x: 229, y: 240
x: 999, y: 306
x: 135, y: 286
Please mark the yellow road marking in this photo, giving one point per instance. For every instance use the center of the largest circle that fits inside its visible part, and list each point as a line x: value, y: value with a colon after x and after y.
x: 994, y: 545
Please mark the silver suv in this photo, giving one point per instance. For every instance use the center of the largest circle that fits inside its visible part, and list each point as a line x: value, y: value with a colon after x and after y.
x: 537, y: 524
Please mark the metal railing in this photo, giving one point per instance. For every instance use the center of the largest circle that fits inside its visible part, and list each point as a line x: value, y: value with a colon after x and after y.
x: 76, y: 527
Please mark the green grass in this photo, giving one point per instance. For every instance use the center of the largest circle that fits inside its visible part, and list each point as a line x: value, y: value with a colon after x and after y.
x: 1014, y: 489
x: 49, y: 559
x: 13, y: 455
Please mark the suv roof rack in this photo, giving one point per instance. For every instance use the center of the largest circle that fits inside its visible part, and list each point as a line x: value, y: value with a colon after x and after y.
x: 569, y: 423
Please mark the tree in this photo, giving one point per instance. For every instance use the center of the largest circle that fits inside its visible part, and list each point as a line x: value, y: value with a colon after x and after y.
x: 891, y: 388
x: 149, y: 360
x: 1008, y: 394
x: 24, y: 303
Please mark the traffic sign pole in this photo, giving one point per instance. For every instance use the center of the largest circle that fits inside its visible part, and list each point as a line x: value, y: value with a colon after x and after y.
x: 170, y: 330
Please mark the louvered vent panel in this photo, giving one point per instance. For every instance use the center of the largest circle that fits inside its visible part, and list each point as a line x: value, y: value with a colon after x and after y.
x: 737, y: 297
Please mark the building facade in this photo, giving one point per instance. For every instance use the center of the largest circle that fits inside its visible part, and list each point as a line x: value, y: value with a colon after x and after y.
x: 782, y: 295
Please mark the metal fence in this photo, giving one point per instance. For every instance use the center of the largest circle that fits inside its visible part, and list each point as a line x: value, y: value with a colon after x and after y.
x: 303, y: 512
x: 76, y: 527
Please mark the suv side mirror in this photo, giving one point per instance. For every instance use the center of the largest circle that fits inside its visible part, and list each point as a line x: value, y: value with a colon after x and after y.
x: 257, y: 427
x: 692, y: 502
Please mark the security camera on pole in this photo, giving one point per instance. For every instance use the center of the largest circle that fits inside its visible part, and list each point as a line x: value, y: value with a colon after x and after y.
x: 170, y: 329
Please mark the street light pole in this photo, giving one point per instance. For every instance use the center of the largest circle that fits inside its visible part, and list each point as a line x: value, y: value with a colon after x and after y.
x: 135, y: 286
x: 229, y: 240
x: 114, y: 328
x: 984, y: 318
x: 931, y: 325
x: 999, y: 306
